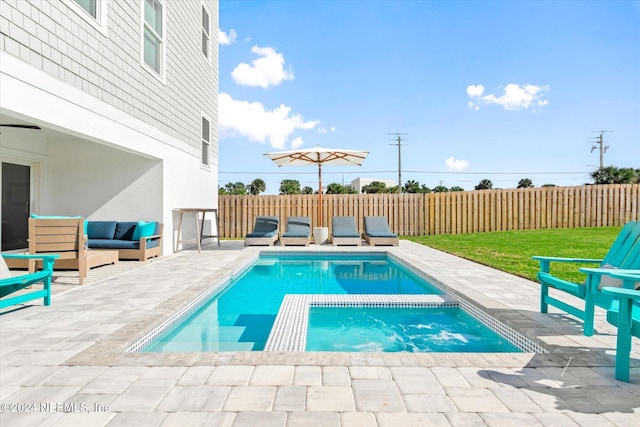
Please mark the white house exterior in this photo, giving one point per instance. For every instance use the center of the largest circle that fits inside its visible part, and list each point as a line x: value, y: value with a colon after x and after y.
x: 358, y: 183
x: 124, y: 95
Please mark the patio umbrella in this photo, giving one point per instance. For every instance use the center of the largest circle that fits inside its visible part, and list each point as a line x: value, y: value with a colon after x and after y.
x: 318, y: 156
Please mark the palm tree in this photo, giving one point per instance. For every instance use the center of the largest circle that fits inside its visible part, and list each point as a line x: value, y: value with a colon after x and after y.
x: 412, y: 186
x: 290, y: 186
x: 525, y: 183
x: 485, y: 184
x: 376, y: 187
x: 237, y: 188
x: 615, y: 175
x: 257, y: 186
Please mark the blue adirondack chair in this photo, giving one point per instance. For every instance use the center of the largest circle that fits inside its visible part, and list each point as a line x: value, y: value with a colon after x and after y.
x: 624, y: 313
x: 623, y: 254
x: 10, y: 285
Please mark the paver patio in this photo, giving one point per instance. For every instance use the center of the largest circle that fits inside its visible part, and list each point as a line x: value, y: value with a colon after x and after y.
x: 66, y: 364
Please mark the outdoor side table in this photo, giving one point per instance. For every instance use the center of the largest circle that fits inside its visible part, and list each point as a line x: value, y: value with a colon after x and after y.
x: 199, y: 226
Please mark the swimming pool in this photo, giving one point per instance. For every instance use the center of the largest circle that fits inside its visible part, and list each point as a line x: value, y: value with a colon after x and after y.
x: 279, y: 288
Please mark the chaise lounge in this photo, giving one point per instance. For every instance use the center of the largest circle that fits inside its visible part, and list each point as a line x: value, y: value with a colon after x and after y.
x: 376, y: 231
x: 265, y: 231
x: 344, y: 231
x: 298, y: 231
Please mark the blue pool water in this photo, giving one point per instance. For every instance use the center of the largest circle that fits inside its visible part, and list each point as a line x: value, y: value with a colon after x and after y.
x: 387, y: 329
x: 240, y: 317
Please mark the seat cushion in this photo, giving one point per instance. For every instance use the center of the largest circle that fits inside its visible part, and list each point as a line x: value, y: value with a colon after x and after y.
x: 265, y: 226
x: 344, y: 226
x: 381, y: 234
x: 344, y: 232
x: 101, y: 229
x: 376, y: 226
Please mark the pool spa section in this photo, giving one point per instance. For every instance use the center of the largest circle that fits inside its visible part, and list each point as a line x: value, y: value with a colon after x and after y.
x: 289, y: 329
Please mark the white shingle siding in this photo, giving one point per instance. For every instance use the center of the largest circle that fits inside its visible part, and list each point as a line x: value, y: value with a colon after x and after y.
x: 56, y: 39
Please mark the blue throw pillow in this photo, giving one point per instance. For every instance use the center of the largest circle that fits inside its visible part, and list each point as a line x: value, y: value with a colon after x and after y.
x: 144, y: 229
x: 60, y: 217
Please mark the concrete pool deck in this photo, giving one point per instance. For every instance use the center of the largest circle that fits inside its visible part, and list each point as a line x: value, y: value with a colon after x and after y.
x: 66, y: 365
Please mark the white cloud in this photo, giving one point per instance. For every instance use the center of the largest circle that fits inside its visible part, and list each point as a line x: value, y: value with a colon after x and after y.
x: 474, y: 91
x: 456, y: 165
x: 325, y: 130
x: 226, y: 39
x: 297, y: 142
x: 267, y: 70
x: 514, y: 98
x: 253, y: 121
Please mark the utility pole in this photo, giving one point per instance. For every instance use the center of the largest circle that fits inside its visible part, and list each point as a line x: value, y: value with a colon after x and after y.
x: 599, y: 144
x: 399, y: 144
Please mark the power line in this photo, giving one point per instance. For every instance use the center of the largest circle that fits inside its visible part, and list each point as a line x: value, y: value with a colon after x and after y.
x: 407, y: 171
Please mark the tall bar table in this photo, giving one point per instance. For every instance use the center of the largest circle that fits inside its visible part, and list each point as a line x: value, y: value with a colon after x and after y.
x: 199, y: 228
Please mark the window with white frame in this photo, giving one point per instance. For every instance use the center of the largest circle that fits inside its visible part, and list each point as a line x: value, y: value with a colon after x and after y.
x: 94, y: 12
x: 206, y: 144
x: 153, y: 35
x: 206, y: 36
x: 90, y: 6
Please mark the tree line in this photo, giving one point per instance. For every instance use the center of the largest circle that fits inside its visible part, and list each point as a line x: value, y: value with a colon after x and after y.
x: 605, y: 175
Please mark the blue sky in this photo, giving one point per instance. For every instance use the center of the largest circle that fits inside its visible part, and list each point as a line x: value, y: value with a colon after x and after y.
x: 501, y: 90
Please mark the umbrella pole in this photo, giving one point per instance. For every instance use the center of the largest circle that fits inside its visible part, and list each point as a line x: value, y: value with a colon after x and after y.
x: 319, y: 192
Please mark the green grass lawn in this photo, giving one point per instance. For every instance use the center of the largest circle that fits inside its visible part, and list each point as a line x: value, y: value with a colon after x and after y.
x: 511, y: 251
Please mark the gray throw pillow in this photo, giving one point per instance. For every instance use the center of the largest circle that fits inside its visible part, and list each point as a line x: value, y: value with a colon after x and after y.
x: 608, y: 281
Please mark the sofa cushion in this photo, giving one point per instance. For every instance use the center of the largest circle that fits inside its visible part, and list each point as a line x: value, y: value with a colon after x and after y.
x: 119, y: 244
x: 125, y: 230
x: 101, y: 229
x: 144, y: 229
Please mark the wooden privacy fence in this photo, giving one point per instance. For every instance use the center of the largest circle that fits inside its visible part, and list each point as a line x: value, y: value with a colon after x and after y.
x: 448, y: 213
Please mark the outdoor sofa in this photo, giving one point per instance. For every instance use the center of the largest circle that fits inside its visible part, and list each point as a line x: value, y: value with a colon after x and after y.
x: 136, y: 240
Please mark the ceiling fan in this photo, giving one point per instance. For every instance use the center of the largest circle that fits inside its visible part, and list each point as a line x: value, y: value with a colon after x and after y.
x: 21, y: 126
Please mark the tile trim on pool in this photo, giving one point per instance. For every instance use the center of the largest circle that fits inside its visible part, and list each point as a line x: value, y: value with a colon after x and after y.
x: 191, y: 307
x: 289, y: 331
x: 183, y: 313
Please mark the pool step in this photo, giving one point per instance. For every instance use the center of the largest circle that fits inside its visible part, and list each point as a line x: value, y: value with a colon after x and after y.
x: 230, y: 333
x: 228, y: 339
x: 235, y: 346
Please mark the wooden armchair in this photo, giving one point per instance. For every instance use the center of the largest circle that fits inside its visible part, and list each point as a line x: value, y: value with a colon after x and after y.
x: 65, y: 236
